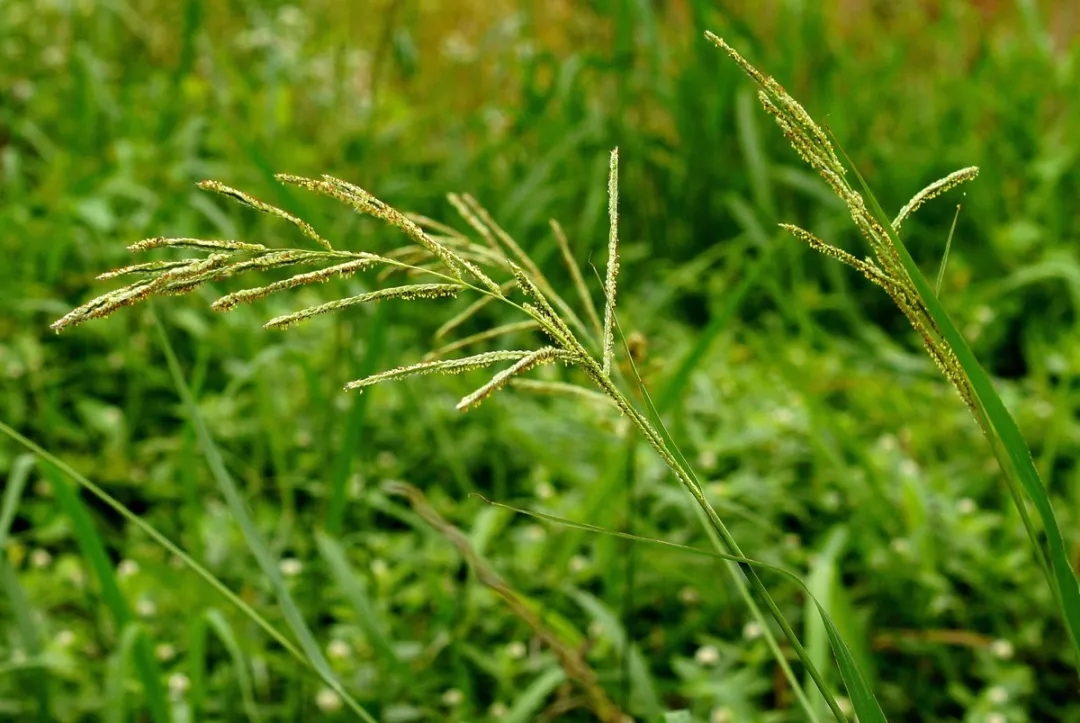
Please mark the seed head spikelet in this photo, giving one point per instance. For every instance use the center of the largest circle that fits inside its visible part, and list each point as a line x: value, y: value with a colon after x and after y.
x: 258, y: 205
x: 247, y: 296
x: 612, y: 261
x: 545, y: 355
x: 194, y: 243
x: 405, y: 293
x: 934, y: 190
x: 576, y: 275
x: 442, y: 366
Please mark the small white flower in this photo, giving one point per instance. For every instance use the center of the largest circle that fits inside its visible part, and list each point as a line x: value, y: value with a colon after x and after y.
x: 178, y: 684
x: 544, y: 491
x: 909, y: 468
x: 1002, y: 649
x: 900, y: 546
x: 996, y: 717
x: 498, y: 709
x: 720, y: 715
x: 164, y: 652
x: 64, y: 638
x: 707, y: 460
x: 40, y: 558
x: 844, y: 704
x: 379, y: 568
x: 997, y: 695
x: 578, y: 563
x: 535, y: 533
x: 145, y: 608
x: 338, y: 649
x: 290, y: 567
x: 126, y: 568
x: 707, y: 655
x: 966, y: 505
x: 453, y: 697
x: 516, y: 650
x: 328, y: 701
x: 783, y: 416
x: 752, y: 630
x: 689, y: 596
x: 888, y: 443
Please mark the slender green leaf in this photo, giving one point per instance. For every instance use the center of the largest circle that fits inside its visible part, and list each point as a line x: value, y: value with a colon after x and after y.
x: 862, y: 696
x: 220, y: 625
x: 356, y: 593
x: 1000, y: 429
x: 254, y: 539
x: 93, y: 549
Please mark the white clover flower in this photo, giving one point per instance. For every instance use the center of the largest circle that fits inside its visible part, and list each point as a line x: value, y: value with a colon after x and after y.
x: 453, y: 697
x: 338, y: 649
x: 1002, y: 649
x: 290, y: 567
x: 328, y: 701
x: 164, y: 652
x: 40, y: 558
x: 752, y: 630
x: 707, y: 655
x: 997, y: 695
x: 516, y: 650
x: 145, y: 608
x: 178, y: 684
x: 127, y: 568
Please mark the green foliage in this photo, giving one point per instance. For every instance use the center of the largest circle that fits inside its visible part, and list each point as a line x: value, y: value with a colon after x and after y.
x: 799, y: 394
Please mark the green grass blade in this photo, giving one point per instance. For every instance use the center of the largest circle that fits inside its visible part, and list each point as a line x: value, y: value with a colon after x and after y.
x: 945, y: 256
x: 9, y: 581
x: 220, y: 625
x: 354, y: 424
x: 25, y: 620
x: 93, y: 549
x: 116, y: 677
x: 16, y: 482
x: 159, y: 538
x: 254, y: 539
x: 356, y: 593
x: 862, y: 696
x: 530, y: 700
x: 1000, y: 429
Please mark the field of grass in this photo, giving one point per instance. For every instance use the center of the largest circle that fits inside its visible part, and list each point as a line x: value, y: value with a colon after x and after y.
x: 825, y: 437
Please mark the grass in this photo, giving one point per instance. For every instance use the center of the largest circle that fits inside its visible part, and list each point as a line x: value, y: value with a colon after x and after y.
x: 804, y: 405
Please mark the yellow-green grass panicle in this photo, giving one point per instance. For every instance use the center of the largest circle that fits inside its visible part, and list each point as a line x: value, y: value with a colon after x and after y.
x: 612, y: 262
x: 405, y: 293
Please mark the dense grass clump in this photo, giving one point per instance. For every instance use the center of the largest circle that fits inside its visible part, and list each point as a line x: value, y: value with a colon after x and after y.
x: 811, y: 426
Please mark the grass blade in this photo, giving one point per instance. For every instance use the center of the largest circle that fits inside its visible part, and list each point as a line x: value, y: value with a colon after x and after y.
x: 217, y: 622
x: 93, y: 549
x: 254, y: 539
x: 862, y: 696
x: 356, y: 593
x: 1000, y: 428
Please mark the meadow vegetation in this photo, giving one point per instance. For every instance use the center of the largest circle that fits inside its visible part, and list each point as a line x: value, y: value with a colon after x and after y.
x: 383, y: 586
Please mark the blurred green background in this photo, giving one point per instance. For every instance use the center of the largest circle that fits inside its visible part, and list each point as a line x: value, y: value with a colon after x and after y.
x: 830, y: 443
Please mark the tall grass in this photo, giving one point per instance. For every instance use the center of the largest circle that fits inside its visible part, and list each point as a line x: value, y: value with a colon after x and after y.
x: 720, y: 124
